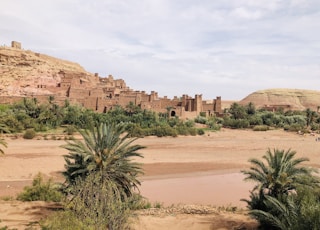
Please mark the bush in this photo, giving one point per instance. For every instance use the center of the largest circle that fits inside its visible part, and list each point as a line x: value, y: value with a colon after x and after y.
x: 200, y: 120
x: 189, y: 123
x: 29, y: 134
x: 236, y: 123
x: 64, y: 220
x: 213, y: 125
x: 192, y: 131
x: 41, y: 190
x: 295, y: 128
x: 70, y: 130
x: 260, y: 128
x: 201, y: 132
x: 162, y: 131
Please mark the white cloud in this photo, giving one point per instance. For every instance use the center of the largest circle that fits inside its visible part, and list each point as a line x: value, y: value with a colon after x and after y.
x: 227, y: 48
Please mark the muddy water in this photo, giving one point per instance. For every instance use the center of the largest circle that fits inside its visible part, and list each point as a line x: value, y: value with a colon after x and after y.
x: 218, y: 190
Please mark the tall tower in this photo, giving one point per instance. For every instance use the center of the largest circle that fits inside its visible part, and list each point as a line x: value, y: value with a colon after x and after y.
x: 198, y: 103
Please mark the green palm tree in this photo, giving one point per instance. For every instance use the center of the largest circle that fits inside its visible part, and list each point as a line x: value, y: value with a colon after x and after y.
x: 283, y: 215
x: 106, y: 148
x: 278, y: 177
x: 293, y: 212
x: 280, y: 173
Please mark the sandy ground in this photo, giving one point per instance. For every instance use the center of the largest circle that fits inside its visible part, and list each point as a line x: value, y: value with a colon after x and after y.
x: 203, y: 170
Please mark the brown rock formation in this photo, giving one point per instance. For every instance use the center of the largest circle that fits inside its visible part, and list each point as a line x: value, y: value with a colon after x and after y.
x: 288, y: 99
x: 25, y: 73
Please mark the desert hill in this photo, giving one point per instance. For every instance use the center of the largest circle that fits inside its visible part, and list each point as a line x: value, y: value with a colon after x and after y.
x: 288, y: 99
x: 23, y: 72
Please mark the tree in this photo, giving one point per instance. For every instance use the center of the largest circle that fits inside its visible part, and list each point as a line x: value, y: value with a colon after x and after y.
x: 3, y: 143
x: 279, y: 178
x: 238, y: 111
x: 251, y: 109
x: 310, y: 116
x: 284, y: 214
x: 294, y: 212
x: 108, y: 149
x: 281, y: 173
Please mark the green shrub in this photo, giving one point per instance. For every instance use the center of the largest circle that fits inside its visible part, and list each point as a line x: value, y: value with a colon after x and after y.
x: 41, y: 190
x: 200, y: 132
x: 29, y: 134
x: 192, y: 131
x: 66, y: 220
x: 189, y: 123
x: 213, y: 125
x: 236, y: 123
x: 163, y: 131
x: 295, y: 128
x: 260, y: 128
x: 182, y: 130
x: 138, y: 202
x: 70, y: 130
x: 200, y: 120
x: 137, y: 131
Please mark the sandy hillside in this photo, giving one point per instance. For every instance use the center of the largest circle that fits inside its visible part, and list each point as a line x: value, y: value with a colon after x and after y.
x: 201, y: 170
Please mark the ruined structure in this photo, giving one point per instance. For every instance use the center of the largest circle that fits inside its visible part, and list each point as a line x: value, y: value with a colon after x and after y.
x: 16, y: 45
x: 28, y: 74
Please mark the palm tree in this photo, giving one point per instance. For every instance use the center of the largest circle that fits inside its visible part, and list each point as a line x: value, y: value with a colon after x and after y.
x: 310, y: 116
x: 294, y: 212
x: 284, y: 214
x: 3, y: 129
x: 106, y: 148
x: 3, y: 143
x: 272, y: 201
x: 280, y: 174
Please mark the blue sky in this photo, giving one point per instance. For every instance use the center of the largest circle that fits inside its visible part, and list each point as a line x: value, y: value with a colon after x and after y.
x: 227, y: 48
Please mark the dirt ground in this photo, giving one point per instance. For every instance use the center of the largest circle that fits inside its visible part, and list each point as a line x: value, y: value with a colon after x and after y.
x: 200, y: 170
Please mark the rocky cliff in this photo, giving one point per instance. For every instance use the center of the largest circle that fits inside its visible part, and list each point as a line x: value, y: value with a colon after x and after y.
x: 293, y: 99
x: 25, y: 73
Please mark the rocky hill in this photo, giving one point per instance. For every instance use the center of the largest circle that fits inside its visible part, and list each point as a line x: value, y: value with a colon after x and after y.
x: 23, y: 72
x: 293, y: 99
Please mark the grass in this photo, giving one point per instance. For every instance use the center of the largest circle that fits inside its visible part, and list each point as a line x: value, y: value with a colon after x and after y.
x: 7, y: 198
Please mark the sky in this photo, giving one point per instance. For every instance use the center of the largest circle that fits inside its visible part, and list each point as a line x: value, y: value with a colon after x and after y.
x: 227, y: 48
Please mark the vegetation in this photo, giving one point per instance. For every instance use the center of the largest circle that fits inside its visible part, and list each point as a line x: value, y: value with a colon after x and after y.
x: 108, y: 149
x: 30, y: 114
x: 41, y: 190
x: 248, y: 116
x: 3, y: 143
x: 285, y: 191
x: 97, y: 203
x: 29, y: 134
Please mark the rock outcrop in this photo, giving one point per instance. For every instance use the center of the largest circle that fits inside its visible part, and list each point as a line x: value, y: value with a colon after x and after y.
x: 25, y: 73
x: 288, y: 99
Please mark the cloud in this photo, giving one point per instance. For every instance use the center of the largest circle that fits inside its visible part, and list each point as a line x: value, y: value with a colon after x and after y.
x: 217, y: 48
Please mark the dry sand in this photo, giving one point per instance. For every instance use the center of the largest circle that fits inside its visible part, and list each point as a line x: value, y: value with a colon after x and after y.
x: 200, y: 170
